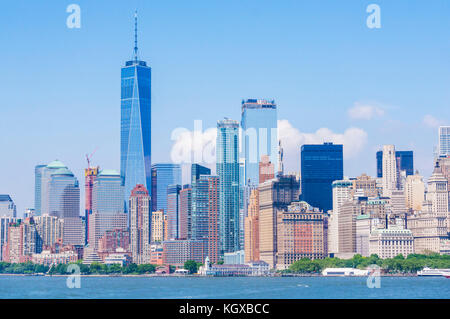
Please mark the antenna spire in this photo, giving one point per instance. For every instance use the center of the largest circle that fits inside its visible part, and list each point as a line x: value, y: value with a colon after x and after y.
x: 135, y: 37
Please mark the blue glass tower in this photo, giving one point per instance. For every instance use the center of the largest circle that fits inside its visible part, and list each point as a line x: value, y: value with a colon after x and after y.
x: 259, y: 136
x: 320, y: 166
x: 227, y: 163
x: 163, y: 175
x: 405, y: 162
x: 135, y: 124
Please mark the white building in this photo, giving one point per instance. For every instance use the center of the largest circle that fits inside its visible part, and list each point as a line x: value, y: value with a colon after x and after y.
x: 389, y: 164
x: 342, y: 191
x: 414, y: 192
x: 388, y: 243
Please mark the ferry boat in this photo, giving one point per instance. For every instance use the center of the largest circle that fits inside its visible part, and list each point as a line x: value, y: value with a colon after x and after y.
x: 434, y: 272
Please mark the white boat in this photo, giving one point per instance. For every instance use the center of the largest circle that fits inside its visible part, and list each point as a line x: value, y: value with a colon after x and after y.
x: 433, y: 272
x: 344, y: 272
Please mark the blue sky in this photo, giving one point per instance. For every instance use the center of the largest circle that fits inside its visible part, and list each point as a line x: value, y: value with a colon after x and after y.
x: 317, y: 59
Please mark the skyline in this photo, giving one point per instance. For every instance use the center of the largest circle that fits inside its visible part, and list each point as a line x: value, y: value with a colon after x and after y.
x: 95, y: 122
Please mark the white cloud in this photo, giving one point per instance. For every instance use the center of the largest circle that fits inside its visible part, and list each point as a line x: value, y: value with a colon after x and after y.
x: 194, y: 146
x: 200, y: 146
x: 431, y: 121
x: 354, y: 139
x: 365, y: 111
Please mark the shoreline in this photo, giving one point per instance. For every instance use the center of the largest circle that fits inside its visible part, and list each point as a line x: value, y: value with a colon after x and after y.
x: 201, y: 276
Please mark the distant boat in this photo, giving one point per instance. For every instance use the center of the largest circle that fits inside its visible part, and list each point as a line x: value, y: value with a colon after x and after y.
x: 433, y: 272
x: 344, y: 272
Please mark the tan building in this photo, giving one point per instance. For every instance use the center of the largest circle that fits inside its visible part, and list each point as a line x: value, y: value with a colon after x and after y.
x: 266, y: 169
x: 342, y: 192
x: 50, y: 229
x: 414, y: 192
x: 139, y: 204
x: 157, y: 231
x: 274, y: 195
x: 437, y: 194
x: 252, y: 228
x: 366, y: 185
x: 429, y: 231
x: 302, y: 233
x: 391, y: 242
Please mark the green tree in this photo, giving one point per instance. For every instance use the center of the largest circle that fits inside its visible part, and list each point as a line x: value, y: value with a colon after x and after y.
x: 191, y: 265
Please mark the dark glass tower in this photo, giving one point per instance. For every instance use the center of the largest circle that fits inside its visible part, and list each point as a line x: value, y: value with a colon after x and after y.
x: 135, y: 124
x: 320, y: 166
x: 405, y: 162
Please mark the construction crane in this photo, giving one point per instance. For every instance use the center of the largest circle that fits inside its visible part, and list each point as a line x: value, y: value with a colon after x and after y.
x: 88, y: 157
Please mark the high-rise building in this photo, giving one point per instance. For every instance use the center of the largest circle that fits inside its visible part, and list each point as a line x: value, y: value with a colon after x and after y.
x: 135, y: 123
x: 251, y: 245
x: 38, y: 187
x: 274, y: 195
x: 437, y: 194
x: 266, y: 169
x: 444, y: 164
x: 320, y: 166
x: 185, y: 213
x: 7, y: 206
x: 342, y: 190
x: 390, y: 176
x: 173, y: 209
x: 90, y: 174
x: 107, y: 206
x: 205, y: 213
x: 260, y: 137
x: 302, y: 233
x: 23, y: 241
x: 404, y: 161
x: 157, y: 227
x: 5, y: 221
x: 163, y: 175
x: 50, y: 229
x: 140, y: 224
x: 414, y: 192
x: 227, y: 162
x: 62, y: 199
x: 444, y: 140
x: 197, y: 170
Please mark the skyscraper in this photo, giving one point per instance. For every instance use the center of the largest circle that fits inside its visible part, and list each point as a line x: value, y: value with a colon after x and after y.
x: 173, y: 207
x: 140, y: 224
x: 390, y: 176
x: 260, y: 137
x: 163, y: 175
x: 7, y: 206
x: 37, y: 188
x: 90, y: 174
x: 227, y: 162
x: 320, y: 166
x: 251, y: 245
x: 404, y: 160
x: 185, y: 213
x: 135, y: 123
x: 444, y: 140
x: 107, y: 206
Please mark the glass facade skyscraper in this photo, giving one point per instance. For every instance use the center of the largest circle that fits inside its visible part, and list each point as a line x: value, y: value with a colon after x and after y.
x: 259, y: 136
x: 405, y: 162
x: 135, y: 125
x: 444, y: 140
x: 37, y: 188
x: 163, y: 175
x: 320, y: 166
x: 173, y: 209
x: 227, y: 162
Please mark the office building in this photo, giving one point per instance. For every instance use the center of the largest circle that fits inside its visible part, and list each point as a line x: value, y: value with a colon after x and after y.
x: 274, y: 195
x: 260, y: 137
x: 444, y: 140
x: 391, y: 242
x: 266, y: 169
x: 158, y: 227
x: 50, y: 229
x: 90, y: 174
x: 185, y: 213
x: 404, y: 162
x: 302, y: 233
x: 177, y: 252
x: 172, y: 213
x: 163, y: 175
x: 5, y: 221
x: 320, y: 166
x: 140, y: 224
x: 7, y: 206
x: 342, y: 192
x: 251, y: 245
x: 135, y: 123
x: 227, y: 162
x: 107, y: 206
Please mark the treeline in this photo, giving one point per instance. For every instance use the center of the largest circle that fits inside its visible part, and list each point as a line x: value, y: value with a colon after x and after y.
x: 398, y: 264
x: 62, y: 269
